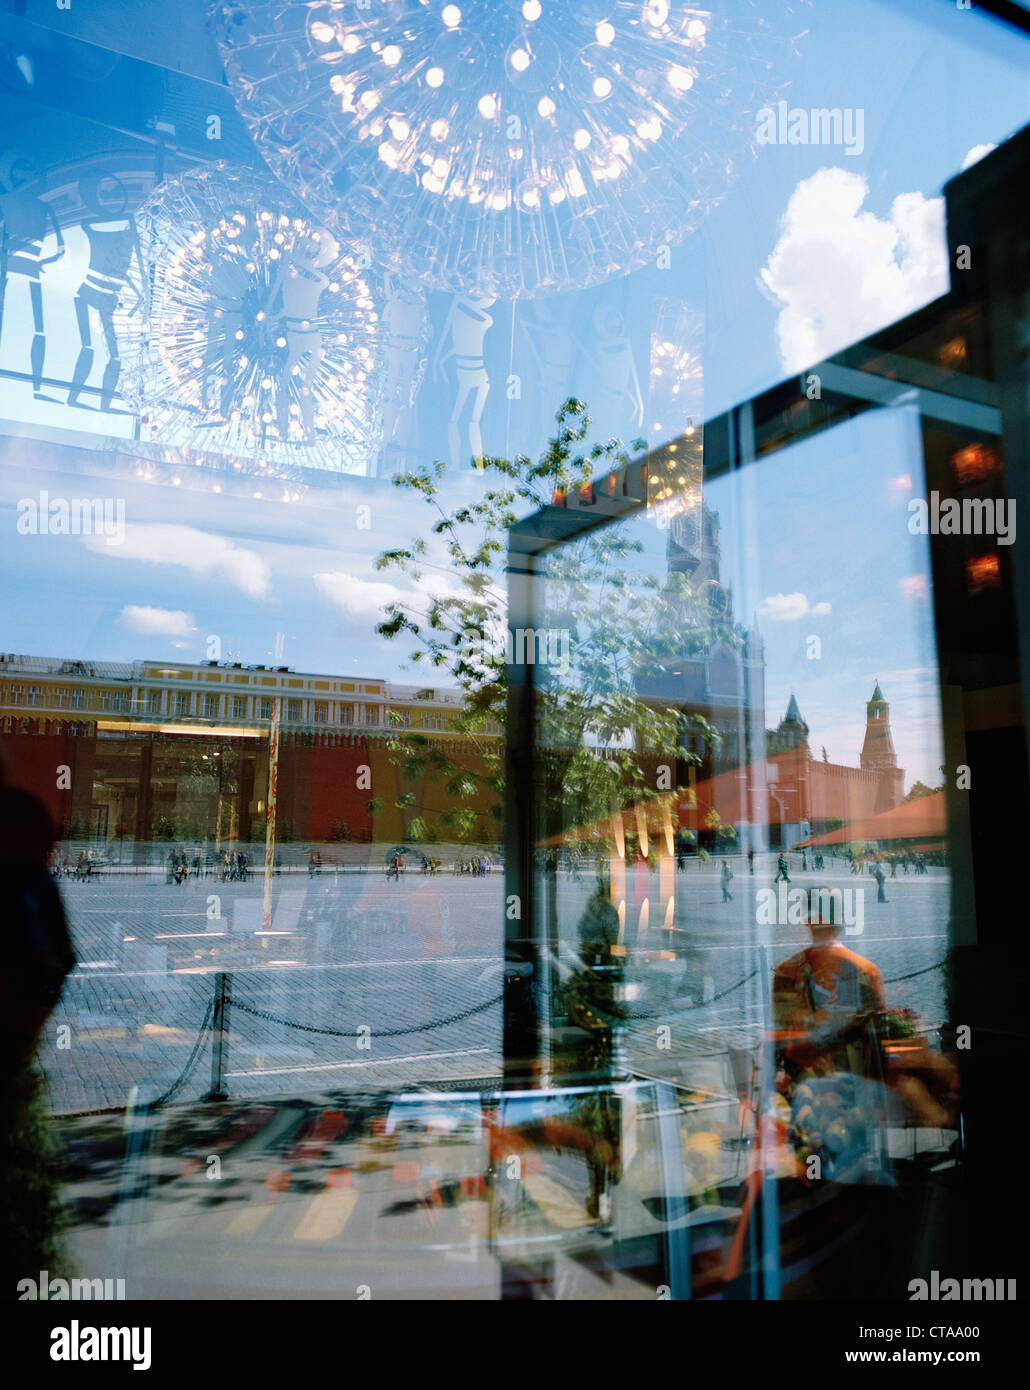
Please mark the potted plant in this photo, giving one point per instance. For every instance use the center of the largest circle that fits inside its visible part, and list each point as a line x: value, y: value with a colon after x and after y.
x: 900, y: 1033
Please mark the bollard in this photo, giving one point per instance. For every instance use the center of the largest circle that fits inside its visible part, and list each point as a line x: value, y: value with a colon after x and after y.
x: 220, y: 1045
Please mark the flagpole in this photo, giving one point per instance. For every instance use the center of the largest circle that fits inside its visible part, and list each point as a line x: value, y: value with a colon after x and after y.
x: 270, y: 805
x: 273, y: 792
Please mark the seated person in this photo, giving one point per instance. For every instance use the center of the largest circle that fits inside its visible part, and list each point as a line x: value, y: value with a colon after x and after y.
x: 828, y: 1001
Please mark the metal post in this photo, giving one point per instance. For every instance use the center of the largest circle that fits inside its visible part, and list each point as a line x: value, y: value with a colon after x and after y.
x: 270, y: 811
x: 524, y: 1035
x: 220, y: 1045
x: 769, y: 1207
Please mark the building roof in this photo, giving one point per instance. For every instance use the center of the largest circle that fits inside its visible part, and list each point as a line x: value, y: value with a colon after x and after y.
x: 924, y: 818
x: 61, y: 666
x: 793, y: 715
x: 13, y: 663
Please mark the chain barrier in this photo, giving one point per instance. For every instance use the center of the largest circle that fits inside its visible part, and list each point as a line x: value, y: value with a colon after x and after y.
x: 194, y: 1058
x: 206, y: 1026
x: 914, y: 973
x: 723, y: 993
x: 632, y: 1015
x: 379, y: 1032
x: 700, y: 1004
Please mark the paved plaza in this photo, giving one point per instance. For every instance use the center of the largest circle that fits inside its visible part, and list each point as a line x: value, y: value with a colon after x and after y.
x: 397, y: 985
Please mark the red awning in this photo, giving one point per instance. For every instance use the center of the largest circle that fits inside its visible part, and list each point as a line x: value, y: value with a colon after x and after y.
x: 922, y: 819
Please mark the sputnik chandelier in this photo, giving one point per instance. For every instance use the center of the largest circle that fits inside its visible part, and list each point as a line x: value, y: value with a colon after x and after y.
x: 263, y: 339
x: 505, y: 147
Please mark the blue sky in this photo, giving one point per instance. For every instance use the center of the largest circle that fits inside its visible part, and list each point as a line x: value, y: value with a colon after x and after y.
x: 834, y: 560
x: 861, y: 246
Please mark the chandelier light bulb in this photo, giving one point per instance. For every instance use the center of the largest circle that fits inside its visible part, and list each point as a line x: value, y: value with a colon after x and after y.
x: 263, y: 336
x: 506, y: 149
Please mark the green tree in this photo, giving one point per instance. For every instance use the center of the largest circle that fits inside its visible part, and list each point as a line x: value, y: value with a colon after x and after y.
x: 920, y: 789
x: 601, y: 736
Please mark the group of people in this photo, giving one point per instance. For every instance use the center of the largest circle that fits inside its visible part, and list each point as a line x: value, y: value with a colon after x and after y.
x: 180, y: 868
x: 859, y: 861
x: 902, y: 859
x: 85, y: 868
x: 433, y: 865
x: 782, y: 871
x: 234, y: 866
x: 477, y: 866
x: 815, y: 862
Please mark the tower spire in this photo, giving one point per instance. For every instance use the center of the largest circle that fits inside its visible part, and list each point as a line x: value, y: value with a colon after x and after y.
x: 878, y: 749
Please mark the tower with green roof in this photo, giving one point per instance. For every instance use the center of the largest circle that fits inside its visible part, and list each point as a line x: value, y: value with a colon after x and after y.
x: 878, y: 753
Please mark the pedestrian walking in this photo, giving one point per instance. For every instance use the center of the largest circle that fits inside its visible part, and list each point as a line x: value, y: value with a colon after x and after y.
x: 781, y: 869
x: 880, y: 876
x: 751, y: 861
x: 726, y: 876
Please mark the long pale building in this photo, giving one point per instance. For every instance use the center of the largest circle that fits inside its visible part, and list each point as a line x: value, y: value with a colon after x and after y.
x: 149, y: 751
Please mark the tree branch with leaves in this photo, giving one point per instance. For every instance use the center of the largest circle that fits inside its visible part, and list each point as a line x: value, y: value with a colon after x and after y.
x: 600, y: 734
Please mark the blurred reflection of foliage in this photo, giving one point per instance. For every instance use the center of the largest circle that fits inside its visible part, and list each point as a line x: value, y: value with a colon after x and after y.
x: 599, y: 738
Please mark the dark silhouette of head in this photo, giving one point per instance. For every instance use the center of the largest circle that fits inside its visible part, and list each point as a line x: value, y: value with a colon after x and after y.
x: 26, y: 828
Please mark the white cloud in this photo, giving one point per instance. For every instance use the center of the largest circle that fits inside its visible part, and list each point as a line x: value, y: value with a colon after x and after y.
x: 790, y: 608
x: 157, y: 622
x: 976, y: 154
x: 361, y: 598
x: 366, y: 598
x: 838, y: 273
x: 200, y: 552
